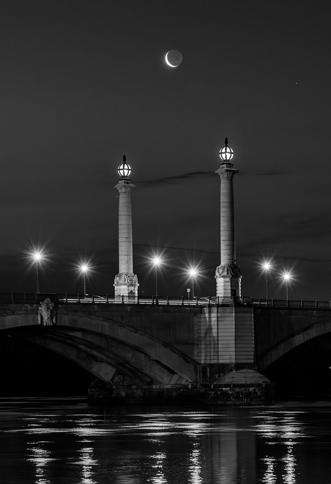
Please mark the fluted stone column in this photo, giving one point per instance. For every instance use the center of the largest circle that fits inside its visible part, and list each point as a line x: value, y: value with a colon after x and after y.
x: 126, y: 282
x: 228, y: 274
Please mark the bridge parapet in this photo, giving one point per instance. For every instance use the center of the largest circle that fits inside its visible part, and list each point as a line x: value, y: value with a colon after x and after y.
x: 33, y: 298
x: 287, y: 304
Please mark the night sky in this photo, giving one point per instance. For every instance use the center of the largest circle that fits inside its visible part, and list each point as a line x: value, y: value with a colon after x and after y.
x: 84, y: 82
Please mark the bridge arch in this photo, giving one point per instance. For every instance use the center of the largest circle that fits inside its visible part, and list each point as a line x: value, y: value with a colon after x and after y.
x: 104, y: 348
x: 141, y: 346
x: 80, y: 355
x: 284, y: 347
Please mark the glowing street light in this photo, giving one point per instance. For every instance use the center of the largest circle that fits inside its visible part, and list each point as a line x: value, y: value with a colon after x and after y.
x: 157, y: 262
x: 193, y: 274
x: 84, y: 269
x: 287, y: 277
x: 37, y: 257
x: 266, y: 267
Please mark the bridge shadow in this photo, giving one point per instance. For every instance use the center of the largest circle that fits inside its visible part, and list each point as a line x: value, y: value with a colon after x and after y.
x: 30, y: 369
x: 305, y: 371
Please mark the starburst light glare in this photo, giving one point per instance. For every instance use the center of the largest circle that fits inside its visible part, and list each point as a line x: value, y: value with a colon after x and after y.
x: 84, y: 267
x: 193, y: 272
x: 37, y: 255
x: 266, y: 266
x: 287, y: 276
x: 157, y: 260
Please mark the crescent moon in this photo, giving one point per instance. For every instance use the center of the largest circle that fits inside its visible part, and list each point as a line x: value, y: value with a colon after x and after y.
x: 167, y: 61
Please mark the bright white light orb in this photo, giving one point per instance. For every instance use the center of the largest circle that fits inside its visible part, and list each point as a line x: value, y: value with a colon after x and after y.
x: 193, y: 272
x: 124, y: 169
x: 266, y: 266
x: 226, y: 153
x: 84, y: 267
x: 157, y: 260
x: 287, y: 276
x: 37, y: 256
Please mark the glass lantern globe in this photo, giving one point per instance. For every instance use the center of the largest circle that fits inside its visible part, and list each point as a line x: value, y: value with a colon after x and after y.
x: 124, y: 169
x: 226, y: 153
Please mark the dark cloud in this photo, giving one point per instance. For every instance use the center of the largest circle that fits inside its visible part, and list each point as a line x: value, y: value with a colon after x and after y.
x: 202, y: 174
x: 175, y: 178
x: 266, y: 173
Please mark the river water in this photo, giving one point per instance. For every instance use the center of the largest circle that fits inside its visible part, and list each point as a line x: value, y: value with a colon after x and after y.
x: 57, y: 441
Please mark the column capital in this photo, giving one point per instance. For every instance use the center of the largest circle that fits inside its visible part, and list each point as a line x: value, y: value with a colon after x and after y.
x: 226, y: 170
x: 124, y: 186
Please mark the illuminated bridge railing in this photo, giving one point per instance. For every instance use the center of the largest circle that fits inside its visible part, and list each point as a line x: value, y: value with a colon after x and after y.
x: 32, y: 298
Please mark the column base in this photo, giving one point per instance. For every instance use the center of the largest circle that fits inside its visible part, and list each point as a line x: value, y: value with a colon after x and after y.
x: 228, y: 283
x: 126, y: 285
x: 243, y: 387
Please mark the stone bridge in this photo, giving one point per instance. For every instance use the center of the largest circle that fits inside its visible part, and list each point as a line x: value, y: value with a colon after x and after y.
x: 165, y: 345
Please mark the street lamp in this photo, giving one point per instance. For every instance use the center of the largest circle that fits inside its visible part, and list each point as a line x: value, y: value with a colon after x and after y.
x: 193, y: 273
x: 266, y: 267
x: 287, y: 277
x: 37, y: 257
x: 157, y: 261
x: 84, y: 268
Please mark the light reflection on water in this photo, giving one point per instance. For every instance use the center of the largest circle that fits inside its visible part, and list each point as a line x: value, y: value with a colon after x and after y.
x: 225, y: 446
x: 195, y: 465
x: 158, y: 467
x: 40, y: 457
x: 288, y: 429
x: 87, y: 462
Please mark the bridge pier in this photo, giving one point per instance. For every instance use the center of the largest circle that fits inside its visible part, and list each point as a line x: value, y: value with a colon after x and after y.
x: 226, y: 353
x: 217, y: 344
x: 225, y: 337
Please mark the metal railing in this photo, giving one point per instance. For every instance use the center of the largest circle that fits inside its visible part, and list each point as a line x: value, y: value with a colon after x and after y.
x: 32, y: 298
x: 149, y: 301
x: 287, y: 304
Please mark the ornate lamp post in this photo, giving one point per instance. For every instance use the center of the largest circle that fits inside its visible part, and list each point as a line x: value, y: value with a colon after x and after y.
x: 84, y: 269
x: 126, y: 282
x: 228, y: 274
x: 157, y: 262
x: 193, y: 273
x: 287, y: 277
x: 266, y: 267
x: 37, y: 257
